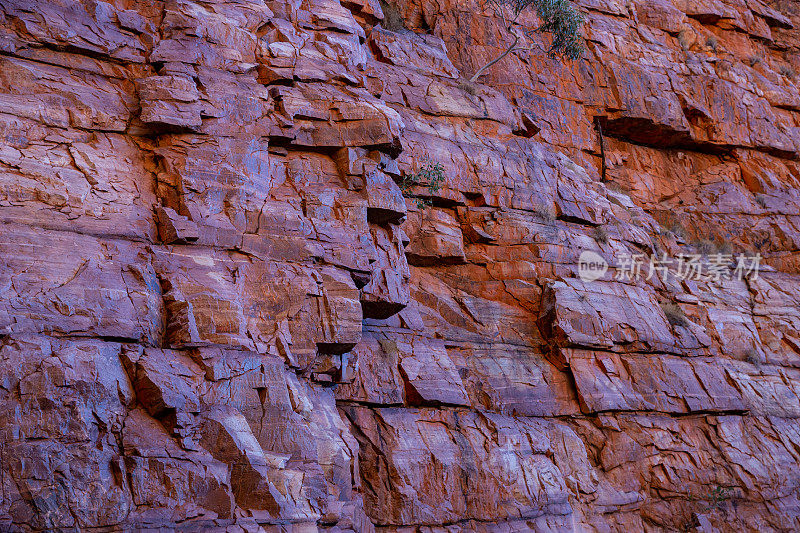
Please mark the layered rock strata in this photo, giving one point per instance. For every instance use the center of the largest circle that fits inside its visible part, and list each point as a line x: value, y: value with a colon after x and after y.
x: 220, y: 312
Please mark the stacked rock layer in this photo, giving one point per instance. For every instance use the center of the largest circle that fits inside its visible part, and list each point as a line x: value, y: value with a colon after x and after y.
x: 220, y: 311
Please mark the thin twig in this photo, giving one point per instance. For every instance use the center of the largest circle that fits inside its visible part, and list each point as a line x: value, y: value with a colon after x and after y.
x: 495, y: 60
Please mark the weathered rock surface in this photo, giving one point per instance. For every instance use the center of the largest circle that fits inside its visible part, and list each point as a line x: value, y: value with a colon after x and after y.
x: 219, y: 312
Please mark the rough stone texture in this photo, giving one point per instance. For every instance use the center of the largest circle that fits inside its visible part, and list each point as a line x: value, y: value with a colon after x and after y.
x: 218, y: 311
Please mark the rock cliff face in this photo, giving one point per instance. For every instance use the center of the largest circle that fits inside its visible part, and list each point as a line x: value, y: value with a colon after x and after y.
x: 218, y: 311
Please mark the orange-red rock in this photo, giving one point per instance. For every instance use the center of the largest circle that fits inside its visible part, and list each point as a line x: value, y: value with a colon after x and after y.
x: 219, y: 312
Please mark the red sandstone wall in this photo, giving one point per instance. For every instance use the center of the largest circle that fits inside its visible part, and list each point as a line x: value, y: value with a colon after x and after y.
x: 218, y: 311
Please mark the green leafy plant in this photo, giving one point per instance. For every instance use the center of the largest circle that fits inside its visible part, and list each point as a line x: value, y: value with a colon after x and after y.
x: 558, y: 18
x: 717, y: 499
x: 431, y: 174
x: 712, y: 43
x: 718, y: 496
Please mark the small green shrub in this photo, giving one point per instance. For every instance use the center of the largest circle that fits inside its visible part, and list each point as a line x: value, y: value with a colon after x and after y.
x: 754, y: 60
x: 718, y: 496
x: 712, y: 43
x: 431, y: 174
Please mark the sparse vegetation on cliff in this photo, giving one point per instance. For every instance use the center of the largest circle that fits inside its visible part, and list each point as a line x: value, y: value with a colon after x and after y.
x: 711, y: 246
x: 718, y: 496
x: 545, y: 212
x: 431, y: 174
x: 558, y: 18
x: 787, y: 72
